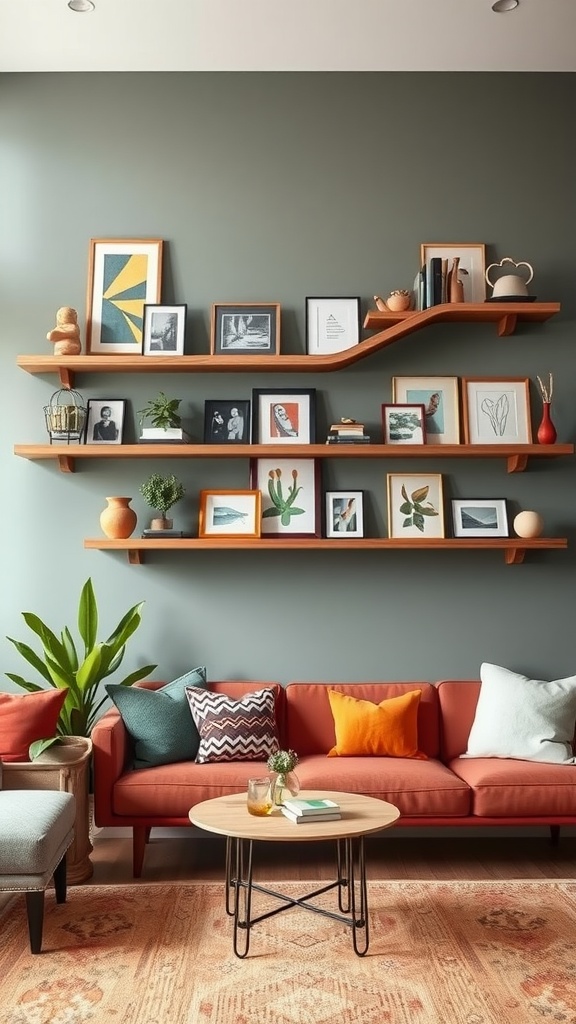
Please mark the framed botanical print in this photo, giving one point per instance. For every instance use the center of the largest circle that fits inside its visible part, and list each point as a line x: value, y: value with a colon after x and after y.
x: 496, y: 410
x: 290, y: 496
x: 229, y: 513
x: 284, y: 417
x: 415, y: 505
x: 245, y: 328
x: 404, y: 424
x: 344, y: 513
x: 479, y: 517
x: 439, y: 396
x: 124, y: 275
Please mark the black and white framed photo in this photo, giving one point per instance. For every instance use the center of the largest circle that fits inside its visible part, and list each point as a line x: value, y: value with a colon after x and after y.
x: 404, y: 424
x: 284, y: 417
x: 245, y: 329
x: 227, y: 421
x: 344, y: 513
x: 479, y: 517
x: 105, y: 420
x: 332, y: 324
x: 164, y: 330
x: 290, y: 496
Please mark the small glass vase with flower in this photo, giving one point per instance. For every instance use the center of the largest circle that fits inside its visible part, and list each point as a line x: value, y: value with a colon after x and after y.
x: 286, y: 782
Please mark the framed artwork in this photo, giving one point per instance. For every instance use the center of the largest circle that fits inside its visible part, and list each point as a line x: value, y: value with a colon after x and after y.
x: 124, y: 275
x: 404, y: 424
x: 344, y: 513
x: 290, y: 496
x: 332, y: 324
x: 245, y: 328
x: 471, y: 265
x: 105, y: 420
x: 227, y: 421
x: 229, y: 513
x: 415, y: 505
x: 484, y: 517
x: 439, y: 396
x: 164, y: 330
x: 284, y: 417
x: 496, y: 410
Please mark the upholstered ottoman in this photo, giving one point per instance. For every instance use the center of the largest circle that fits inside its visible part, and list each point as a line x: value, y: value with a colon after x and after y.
x: 36, y: 829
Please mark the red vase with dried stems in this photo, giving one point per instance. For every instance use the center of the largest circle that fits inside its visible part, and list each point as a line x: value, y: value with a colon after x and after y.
x: 546, y: 433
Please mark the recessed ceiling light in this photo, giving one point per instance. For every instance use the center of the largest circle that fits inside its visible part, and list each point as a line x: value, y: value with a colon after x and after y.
x: 81, y: 6
x: 504, y: 5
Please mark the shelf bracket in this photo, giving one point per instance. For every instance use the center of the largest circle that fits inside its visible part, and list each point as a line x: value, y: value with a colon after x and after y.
x: 135, y: 556
x: 507, y: 325
x: 514, y: 556
x: 66, y: 377
x: 516, y: 463
x: 66, y: 463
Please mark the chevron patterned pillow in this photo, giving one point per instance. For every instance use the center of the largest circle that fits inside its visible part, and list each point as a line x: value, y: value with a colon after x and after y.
x: 233, y: 730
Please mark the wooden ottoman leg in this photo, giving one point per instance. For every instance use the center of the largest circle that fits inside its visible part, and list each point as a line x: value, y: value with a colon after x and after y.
x: 60, y: 881
x: 35, y: 910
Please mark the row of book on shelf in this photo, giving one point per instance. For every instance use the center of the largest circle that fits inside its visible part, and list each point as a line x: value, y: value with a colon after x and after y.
x: 302, y: 811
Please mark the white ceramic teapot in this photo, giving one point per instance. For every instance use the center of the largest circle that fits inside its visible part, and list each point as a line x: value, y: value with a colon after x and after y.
x: 510, y: 286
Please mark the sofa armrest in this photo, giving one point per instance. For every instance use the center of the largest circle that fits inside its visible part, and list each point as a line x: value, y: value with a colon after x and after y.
x: 111, y: 747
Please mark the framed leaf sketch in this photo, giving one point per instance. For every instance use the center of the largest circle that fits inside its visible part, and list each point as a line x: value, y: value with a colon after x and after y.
x: 496, y: 410
x: 124, y: 275
x: 415, y: 505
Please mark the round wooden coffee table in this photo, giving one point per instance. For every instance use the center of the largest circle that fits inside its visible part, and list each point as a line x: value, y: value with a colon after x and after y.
x: 361, y: 816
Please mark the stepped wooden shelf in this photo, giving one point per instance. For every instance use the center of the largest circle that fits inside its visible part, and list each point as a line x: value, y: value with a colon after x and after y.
x: 514, y: 548
x: 390, y: 327
x: 515, y: 455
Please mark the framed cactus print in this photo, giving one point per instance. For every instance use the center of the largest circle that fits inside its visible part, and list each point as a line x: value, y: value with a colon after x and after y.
x: 290, y: 496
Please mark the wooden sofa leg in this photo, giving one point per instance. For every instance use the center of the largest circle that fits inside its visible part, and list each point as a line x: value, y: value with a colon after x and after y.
x: 554, y: 835
x: 60, y: 881
x: 35, y: 911
x: 140, y: 837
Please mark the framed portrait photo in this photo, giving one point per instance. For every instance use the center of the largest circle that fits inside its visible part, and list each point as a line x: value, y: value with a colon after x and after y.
x: 415, y: 505
x: 439, y: 396
x: 479, y: 517
x: 225, y: 513
x: 226, y: 421
x: 124, y: 275
x: 284, y: 417
x: 471, y: 265
x: 105, y: 420
x: 344, y: 513
x: 332, y: 324
x: 290, y: 496
x: 404, y: 424
x: 164, y: 330
x: 245, y: 329
x: 496, y: 410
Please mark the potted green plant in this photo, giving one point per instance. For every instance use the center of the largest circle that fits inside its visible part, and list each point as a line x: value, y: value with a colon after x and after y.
x: 161, y: 493
x: 165, y: 419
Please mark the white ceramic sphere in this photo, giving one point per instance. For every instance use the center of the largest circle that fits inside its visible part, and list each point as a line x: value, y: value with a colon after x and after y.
x: 528, y: 524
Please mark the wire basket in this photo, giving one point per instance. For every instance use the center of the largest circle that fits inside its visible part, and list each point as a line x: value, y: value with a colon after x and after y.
x: 65, y: 416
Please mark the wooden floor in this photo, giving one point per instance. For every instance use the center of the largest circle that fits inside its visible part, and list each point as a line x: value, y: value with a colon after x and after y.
x: 175, y: 859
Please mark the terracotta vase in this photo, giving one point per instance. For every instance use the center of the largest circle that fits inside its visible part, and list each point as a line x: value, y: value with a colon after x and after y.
x: 118, y: 520
x: 546, y: 431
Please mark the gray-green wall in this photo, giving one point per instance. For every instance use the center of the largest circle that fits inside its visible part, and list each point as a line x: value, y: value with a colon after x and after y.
x: 272, y: 187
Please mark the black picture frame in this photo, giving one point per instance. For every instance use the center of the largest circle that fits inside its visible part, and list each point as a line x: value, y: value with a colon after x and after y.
x: 105, y: 429
x: 218, y: 417
x: 283, y: 416
x: 245, y: 328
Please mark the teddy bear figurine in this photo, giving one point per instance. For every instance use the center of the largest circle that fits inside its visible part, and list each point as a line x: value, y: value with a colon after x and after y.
x: 66, y: 334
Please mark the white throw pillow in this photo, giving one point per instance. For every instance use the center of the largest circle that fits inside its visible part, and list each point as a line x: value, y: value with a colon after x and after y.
x: 528, y: 719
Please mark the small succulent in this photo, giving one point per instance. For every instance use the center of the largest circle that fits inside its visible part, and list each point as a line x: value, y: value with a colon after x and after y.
x: 282, y: 762
x: 399, y: 291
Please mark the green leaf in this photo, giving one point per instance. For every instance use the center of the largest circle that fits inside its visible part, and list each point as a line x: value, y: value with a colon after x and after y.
x: 285, y: 517
x: 32, y: 658
x: 271, y: 513
x: 89, y: 670
x: 420, y: 493
x: 429, y: 511
x: 405, y: 508
x: 39, y: 746
x: 23, y: 683
x: 407, y: 522
x: 68, y: 643
x: 88, y: 616
x: 403, y: 492
x: 138, y: 674
x: 419, y: 522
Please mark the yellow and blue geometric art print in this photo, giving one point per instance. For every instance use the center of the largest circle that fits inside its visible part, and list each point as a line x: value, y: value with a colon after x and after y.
x: 122, y: 309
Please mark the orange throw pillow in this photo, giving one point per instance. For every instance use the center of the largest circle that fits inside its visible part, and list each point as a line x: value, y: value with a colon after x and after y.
x: 364, y: 729
x: 25, y: 718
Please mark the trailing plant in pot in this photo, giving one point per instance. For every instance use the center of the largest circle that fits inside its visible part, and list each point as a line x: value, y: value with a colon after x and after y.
x: 161, y: 493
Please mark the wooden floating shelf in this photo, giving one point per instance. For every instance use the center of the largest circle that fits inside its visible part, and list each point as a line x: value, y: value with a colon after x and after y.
x: 391, y: 327
x: 516, y: 456
x: 514, y: 548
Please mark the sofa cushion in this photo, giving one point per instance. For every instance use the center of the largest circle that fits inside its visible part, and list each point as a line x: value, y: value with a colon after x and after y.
x: 511, y: 788
x: 365, y: 729
x: 518, y: 717
x: 234, y: 730
x: 25, y: 718
x: 159, y: 721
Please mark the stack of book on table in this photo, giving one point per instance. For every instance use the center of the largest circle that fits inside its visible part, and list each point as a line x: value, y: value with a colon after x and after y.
x: 347, y: 432
x: 302, y: 811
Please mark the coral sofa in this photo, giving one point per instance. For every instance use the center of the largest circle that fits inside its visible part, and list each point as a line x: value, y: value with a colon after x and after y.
x: 444, y: 789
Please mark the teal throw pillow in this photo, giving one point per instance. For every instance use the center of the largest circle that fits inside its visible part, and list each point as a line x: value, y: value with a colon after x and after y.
x: 159, y: 721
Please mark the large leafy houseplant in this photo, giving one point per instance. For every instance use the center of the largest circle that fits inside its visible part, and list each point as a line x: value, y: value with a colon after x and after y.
x: 60, y: 665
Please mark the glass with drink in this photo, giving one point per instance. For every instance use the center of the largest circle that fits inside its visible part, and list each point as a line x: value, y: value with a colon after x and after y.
x: 259, y: 797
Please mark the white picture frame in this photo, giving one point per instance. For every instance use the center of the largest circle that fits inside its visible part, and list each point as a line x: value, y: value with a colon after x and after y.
x: 496, y: 410
x: 404, y: 423
x: 276, y: 479
x: 423, y: 492
x: 229, y: 513
x: 479, y: 517
x: 344, y: 514
x: 164, y: 329
x: 471, y: 266
x: 440, y: 398
x: 332, y: 324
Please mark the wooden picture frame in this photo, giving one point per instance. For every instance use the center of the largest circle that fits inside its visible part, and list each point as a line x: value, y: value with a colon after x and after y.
x: 227, y: 421
x: 415, y: 505
x: 404, y: 423
x: 290, y: 496
x: 245, y: 328
x: 496, y: 410
x: 286, y: 416
x: 124, y: 275
x: 479, y: 517
x: 230, y: 513
x: 439, y: 395
x: 164, y: 329
x: 344, y: 513
x: 105, y: 420
x: 471, y: 265
x: 332, y: 324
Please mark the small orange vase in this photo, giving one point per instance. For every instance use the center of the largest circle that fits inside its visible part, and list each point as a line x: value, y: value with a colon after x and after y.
x: 118, y: 520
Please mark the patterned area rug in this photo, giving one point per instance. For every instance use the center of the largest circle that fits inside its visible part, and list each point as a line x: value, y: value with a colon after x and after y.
x: 440, y: 953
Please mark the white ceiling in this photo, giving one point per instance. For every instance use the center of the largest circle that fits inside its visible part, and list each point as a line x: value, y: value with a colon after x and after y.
x: 297, y: 35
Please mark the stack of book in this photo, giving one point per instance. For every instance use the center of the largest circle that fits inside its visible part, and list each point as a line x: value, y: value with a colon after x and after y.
x: 163, y: 533
x: 302, y: 811
x: 347, y: 432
